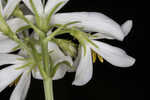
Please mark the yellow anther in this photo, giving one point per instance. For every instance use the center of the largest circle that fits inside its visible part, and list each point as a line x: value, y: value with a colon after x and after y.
x: 100, y: 58
x: 94, y: 56
x: 15, y: 82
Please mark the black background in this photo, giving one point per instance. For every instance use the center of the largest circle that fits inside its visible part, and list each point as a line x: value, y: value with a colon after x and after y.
x: 108, y: 82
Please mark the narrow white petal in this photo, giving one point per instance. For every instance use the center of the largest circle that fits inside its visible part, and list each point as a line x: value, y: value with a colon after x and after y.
x: 8, y: 75
x: 1, y: 8
x: 52, y: 3
x: 6, y: 45
x: 17, y: 23
x: 85, y: 68
x: 113, y: 55
x: 91, y: 21
x: 38, y: 6
x: 57, y: 56
x: 10, y: 6
x: 22, y: 87
x: 100, y: 36
x: 9, y: 59
x: 127, y: 26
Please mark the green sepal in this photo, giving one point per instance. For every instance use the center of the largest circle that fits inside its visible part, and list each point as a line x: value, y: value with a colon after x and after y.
x: 24, y: 66
x: 52, y: 12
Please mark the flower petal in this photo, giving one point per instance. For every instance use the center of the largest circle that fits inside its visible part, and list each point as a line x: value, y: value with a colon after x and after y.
x: 36, y: 74
x: 2, y: 36
x: 22, y: 87
x: 91, y: 21
x: 100, y: 36
x: 85, y: 68
x: 113, y: 55
x: 126, y: 27
x: 6, y: 45
x: 52, y: 3
x: 38, y: 6
x: 8, y: 75
x: 17, y: 23
x: 9, y: 59
x: 57, y: 56
x: 1, y: 7
x: 10, y: 6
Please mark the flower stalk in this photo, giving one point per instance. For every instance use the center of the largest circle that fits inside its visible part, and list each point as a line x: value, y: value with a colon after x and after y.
x: 48, y: 88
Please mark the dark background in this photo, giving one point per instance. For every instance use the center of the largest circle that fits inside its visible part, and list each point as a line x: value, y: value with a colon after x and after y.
x: 108, y: 82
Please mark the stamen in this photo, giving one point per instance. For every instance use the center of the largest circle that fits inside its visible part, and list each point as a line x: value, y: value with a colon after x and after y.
x: 100, y: 58
x: 93, y: 56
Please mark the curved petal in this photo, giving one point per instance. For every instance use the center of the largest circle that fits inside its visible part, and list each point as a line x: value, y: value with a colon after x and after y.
x: 10, y: 6
x: 91, y: 21
x: 36, y: 74
x: 38, y: 6
x: 85, y: 68
x: 22, y: 87
x: 8, y: 75
x: 6, y: 45
x: 100, y: 36
x: 17, y: 23
x: 126, y: 27
x: 113, y: 55
x: 1, y: 7
x: 2, y: 36
x: 9, y: 59
x: 52, y: 3
x: 57, y: 56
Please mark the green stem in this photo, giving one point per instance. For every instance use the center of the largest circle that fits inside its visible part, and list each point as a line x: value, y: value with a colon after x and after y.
x: 48, y: 88
x: 44, y: 46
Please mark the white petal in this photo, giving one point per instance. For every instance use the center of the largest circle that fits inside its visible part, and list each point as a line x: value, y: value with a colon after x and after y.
x: 60, y: 73
x: 2, y: 36
x: 57, y: 56
x: 10, y: 6
x: 100, y: 36
x: 8, y: 75
x: 52, y: 3
x: 113, y: 55
x: 6, y: 45
x: 1, y: 8
x: 38, y: 6
x: 36, y: 74
x: 85, y: 68
x: 22, y: 87
x: 91, y: 21
x: 127, y: 26
x: 17, y: 23
x: 9, y: 59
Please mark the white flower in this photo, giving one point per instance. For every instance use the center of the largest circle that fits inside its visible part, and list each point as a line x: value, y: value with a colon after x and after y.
x: 44, y: 10
x: 105, y: 28
x: 57, y: 56
x: 93, y: 22
x: 9, y: 8
x: 6, y: 44
x: 10, y: 74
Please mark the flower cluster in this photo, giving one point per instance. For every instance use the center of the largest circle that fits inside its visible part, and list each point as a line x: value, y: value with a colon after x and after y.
x: 37, y: 33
